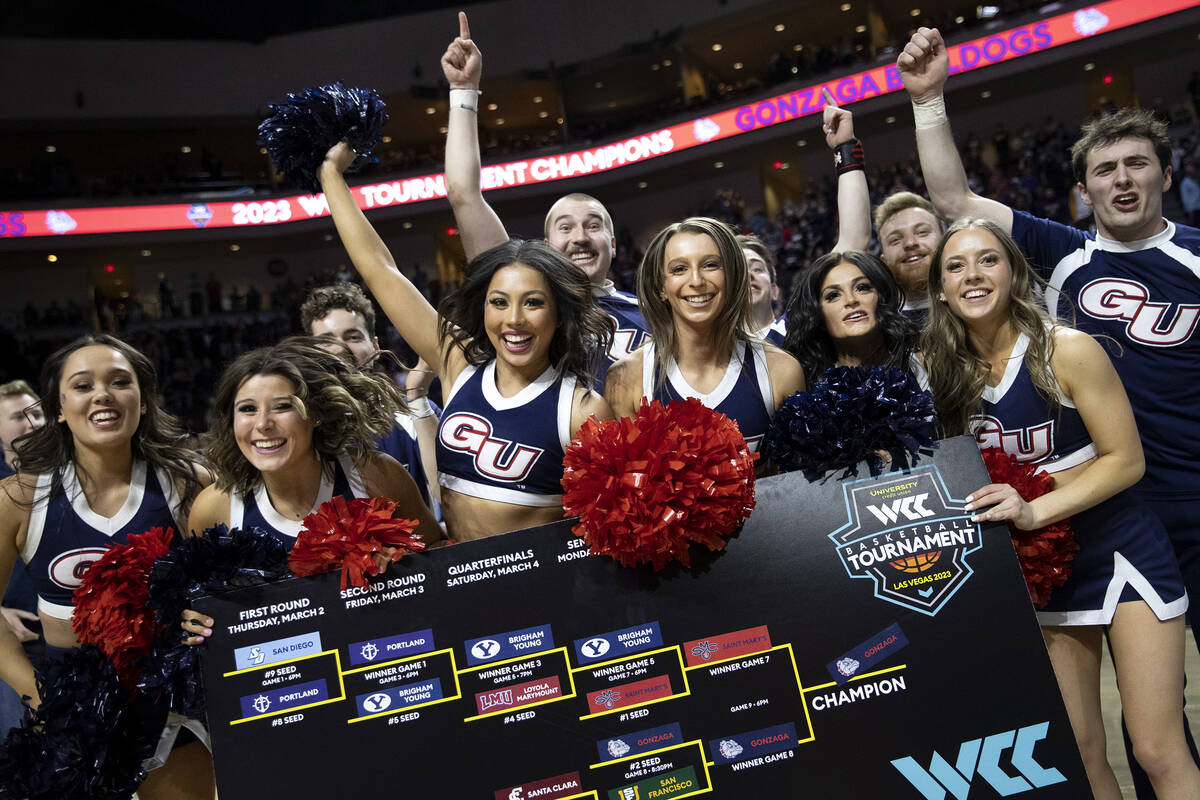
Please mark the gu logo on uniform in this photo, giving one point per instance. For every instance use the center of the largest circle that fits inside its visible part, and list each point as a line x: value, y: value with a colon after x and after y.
x: 909, y: 537
x: 495, y: 458
x: 1145, y: 322
x: 1027, y: 444
x: 67, y: 569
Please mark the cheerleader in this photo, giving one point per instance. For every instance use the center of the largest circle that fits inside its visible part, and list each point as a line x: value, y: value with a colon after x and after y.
x: 846, y: 311
x: 513, y: 343
x: 1049, y: 395
x: 107, y: 463
x: 292, y: 427
x: 694, y: 291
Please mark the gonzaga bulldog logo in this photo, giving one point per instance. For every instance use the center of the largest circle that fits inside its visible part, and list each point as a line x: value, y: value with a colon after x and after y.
x: 908, y: 536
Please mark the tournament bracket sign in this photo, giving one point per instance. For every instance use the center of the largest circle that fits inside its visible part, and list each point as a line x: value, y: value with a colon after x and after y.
x: 859, y: 639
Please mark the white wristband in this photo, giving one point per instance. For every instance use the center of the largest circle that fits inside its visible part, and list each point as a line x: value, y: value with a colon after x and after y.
x: 930, y: 114
x: 419, y: 408
x: 465, y: 98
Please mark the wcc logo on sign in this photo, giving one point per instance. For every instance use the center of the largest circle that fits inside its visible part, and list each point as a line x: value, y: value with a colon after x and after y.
x: 908, y: 536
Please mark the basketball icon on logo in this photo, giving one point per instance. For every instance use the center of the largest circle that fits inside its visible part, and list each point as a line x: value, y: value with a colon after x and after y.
x: 916, y: 563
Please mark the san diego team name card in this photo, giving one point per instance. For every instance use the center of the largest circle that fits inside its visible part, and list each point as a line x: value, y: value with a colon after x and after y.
x: 861, y: 638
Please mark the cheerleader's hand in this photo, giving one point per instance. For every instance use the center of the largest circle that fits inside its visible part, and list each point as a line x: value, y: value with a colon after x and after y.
x: 340, y: 157
x: 197, y: 627
x: 1006, y: 505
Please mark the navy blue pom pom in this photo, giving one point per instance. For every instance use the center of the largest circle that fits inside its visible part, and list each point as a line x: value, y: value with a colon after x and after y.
x: 850, y: 415
x: 216, y: 561
x: 87, y: 740
x: 301, y: 129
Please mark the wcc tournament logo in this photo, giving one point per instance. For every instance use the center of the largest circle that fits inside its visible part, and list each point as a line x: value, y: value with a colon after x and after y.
x: 909, y: 537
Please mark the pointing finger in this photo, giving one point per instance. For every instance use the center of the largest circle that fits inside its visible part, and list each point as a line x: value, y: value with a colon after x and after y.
x: 464, y: 30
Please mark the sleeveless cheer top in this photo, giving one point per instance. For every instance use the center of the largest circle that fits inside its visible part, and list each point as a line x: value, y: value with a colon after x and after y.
x: 66, y: 536
x: 255, y: 510
x: 508, y: 449
x: 1017, y: 419
x: 744, y: 393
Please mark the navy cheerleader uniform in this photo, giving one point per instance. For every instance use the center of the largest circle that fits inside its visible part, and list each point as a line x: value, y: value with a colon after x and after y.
x: 255, y: 510
x: 1124, y: 552
x: 744, y: 393
x: 508, y: 449
x: 65, y: 536
x: 629, y: 331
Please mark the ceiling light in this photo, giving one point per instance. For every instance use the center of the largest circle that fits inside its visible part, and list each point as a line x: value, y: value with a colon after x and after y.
x: 51, y: 148
x: 599, y: 84
x: 537, y: 98
x: 443, y: 129
x: 52, y: 258
x: 262, y: 150
x: 642, y: 184
x: 145, y: 254
x: 801, y: 142
x: 780, y: 28
x: 430, y: 110
x: 985, y: 94
x: 387, y: 140
x: 845, y: 6
x: 718, y: 164
x: 655, y: 67
x: 716, y: 47
x: 860, y: 28
x: 986, y: 12
x: 916, y: 12
x: 407, y: 225
x: 235, y: 247
x: 185, y: 149
x: 889, y: 120
x: 959, y: 20
x: 543, y: 114
x: 492, y: 106
x: 738, y: 65
x: 1088, y: 67
x: 499, y: 120
x: 666, y: 62
x: 797, y: 47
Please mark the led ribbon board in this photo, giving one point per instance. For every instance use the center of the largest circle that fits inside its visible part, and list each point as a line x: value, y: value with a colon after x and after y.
x: 995, y: 48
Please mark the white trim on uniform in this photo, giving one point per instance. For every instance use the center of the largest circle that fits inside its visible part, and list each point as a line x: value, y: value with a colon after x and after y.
x: 491, y: 393
x: 1123, y: 573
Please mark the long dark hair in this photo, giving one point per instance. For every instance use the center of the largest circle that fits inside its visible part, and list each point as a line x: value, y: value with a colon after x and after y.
x: 348, y: 406
x: 582, y: 330
x: 158, y: 439
x: 807, y: 335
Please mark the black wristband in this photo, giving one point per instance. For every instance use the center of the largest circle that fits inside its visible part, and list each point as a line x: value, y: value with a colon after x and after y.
x: 849, y: 156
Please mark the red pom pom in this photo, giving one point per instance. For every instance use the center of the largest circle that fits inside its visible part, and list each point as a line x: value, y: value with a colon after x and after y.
x: 1046, y: 553
x: 355, y: 535
x: 646, y: 488
x: 110, y: 604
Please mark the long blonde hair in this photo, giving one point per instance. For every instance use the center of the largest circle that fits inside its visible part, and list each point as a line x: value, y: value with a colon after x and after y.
x: 732, y: 324
x: 957, y: 374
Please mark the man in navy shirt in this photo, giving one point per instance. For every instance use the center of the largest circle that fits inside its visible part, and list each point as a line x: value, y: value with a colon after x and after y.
x: 342, y: 312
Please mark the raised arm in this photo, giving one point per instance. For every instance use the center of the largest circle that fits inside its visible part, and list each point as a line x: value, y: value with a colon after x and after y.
x: 924, y: 67
x: 478, y: 225
x: 415, y: 320
x: 853, y: 196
